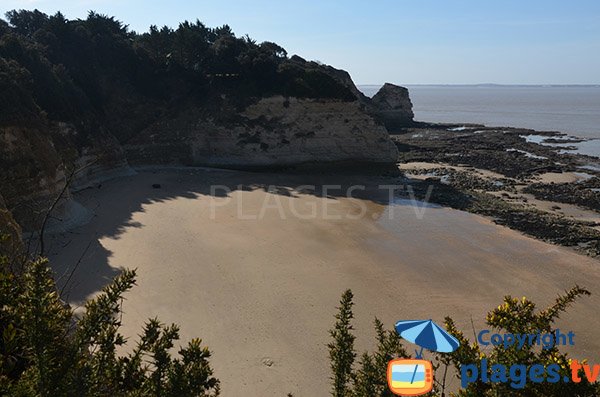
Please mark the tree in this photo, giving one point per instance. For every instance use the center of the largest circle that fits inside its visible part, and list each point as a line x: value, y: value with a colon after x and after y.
x: 369, y: 378
x: 26, y: 22
x: 273, y: 49
x: 4, y: 28
x: 224, y: 30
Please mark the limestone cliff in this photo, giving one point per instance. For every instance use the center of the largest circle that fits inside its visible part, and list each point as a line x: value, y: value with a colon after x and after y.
x: 391, y: 106
x: 38, y: 160
x: 92, y: 97
x: 32, y: 171
x: 275, y: 131
x: 271, y: 132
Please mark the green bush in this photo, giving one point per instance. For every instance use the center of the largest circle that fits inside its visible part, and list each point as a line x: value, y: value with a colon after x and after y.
x: 517, y: 316
x: 368, y: 377
x: 46, y: 350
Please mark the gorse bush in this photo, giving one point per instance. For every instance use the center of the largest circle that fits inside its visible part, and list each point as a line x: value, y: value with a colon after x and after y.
x: 519, y: 316
x: 367, y: 378
x: 45, y: 350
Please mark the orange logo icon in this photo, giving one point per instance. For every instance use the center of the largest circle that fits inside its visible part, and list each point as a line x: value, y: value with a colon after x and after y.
x: 410, y: 377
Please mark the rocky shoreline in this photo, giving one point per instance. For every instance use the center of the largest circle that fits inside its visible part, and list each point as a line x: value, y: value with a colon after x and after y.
x: 527, y: 180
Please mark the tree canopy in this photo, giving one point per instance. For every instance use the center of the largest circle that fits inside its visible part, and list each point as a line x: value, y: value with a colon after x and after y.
x: 73, y: 70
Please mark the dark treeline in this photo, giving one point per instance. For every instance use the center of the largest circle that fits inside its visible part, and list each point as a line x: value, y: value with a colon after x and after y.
x: 85, y: 70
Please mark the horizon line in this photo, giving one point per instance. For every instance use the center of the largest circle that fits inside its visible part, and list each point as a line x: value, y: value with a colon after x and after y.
x: 485, y: 84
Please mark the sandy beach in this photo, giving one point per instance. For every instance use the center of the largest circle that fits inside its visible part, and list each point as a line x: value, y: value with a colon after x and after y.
x: 260, y: 285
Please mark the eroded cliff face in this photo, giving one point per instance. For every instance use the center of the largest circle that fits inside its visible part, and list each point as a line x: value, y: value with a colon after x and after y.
x: 391, y: 106
x: 32, y: 171
x: 275, y: 131
x: 38, y: 160
x: 88, y: 95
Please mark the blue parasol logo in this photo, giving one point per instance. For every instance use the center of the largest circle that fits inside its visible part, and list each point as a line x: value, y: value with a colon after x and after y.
x: 428, y: 335
x: 413, y: 377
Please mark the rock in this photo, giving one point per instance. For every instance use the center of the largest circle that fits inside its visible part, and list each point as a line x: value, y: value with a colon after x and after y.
x: 392, y: 106
x: 273, y: 132
x: 344, y: 77
x: 32, y: 173
x: 38, y: 156
x: 36, y: 160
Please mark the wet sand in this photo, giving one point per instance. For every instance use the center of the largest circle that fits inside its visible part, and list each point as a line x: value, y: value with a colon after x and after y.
x: 261, y: 293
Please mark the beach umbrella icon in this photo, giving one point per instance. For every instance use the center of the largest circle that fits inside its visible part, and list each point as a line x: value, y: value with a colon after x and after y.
x: 428, y: 335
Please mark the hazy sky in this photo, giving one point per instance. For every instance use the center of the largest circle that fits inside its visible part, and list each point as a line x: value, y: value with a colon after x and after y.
x: 405, y: 42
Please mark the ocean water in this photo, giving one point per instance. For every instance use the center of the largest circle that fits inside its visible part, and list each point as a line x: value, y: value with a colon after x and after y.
x: 574, y: 110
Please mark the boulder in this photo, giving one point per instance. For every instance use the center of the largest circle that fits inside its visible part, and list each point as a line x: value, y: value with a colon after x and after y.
x: 392, y: 106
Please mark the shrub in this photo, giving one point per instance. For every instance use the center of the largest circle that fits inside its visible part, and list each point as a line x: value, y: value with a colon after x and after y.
x: 46, y: 350
x: 519, y: 316
x: 516, y: 316
x: 368, y: 377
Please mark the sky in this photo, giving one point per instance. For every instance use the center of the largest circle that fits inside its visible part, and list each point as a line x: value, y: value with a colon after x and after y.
x: 397, y: 41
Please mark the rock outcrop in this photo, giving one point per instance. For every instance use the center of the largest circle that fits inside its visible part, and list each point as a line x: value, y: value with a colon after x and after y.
x: 90, y: 96
x: 32, y: 172
x: 392, y: 106
x: 273, y: 132
x: 37, y: 162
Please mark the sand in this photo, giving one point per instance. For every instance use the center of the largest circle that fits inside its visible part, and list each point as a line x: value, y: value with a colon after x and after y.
x: 262, y: 293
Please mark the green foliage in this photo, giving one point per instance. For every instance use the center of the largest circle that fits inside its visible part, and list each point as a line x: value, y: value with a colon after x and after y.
x: 519, y: 316
x: 371, y: 377
x: 368, y: 378
x: 71, y: 69
x: 15, y: 96
x: 47, y: 351
x: 26, y: 22
x: 341, y: 349
x: 516, y: 316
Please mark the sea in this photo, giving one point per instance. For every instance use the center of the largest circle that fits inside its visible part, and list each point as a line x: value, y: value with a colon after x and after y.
x: 574, y: 110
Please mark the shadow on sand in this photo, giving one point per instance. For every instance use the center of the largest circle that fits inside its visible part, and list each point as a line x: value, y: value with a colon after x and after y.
x: 81, y: 263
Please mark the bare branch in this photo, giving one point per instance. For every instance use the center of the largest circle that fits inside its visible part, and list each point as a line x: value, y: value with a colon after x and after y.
x: 68, y: 182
